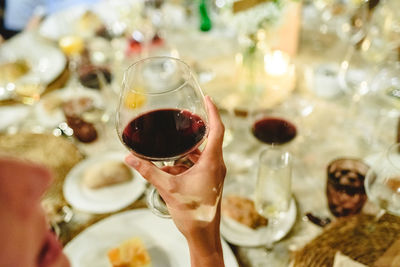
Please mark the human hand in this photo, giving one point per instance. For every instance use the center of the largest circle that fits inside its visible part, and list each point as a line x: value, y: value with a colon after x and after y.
x: 193, y: 195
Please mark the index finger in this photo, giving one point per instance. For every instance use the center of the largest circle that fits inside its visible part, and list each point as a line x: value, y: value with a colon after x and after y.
x: 216, y: 130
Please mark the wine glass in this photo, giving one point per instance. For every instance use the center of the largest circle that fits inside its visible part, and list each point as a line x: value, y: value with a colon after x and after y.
x: 348, y: 19
x: 275, y: 126
x: 273, y: 193
x: 161, y: 114
x: 382, y: 182
x: 365, y: 58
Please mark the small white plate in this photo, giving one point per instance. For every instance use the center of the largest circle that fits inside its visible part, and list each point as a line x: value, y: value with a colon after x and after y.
x: 166, y: 245
x: 12, y: 115
x: 45, y: 59
x: 64, y: 22
x: 241, y: 235
x: 103, y: 200
x: 56, y: 116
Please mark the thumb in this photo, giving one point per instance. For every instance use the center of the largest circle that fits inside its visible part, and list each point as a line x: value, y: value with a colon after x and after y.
x: 147, y: 169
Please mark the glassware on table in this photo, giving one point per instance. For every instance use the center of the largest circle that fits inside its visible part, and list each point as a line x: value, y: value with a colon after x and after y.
x: 345, y: 186
x: 352, y: 19
x: 365, y: 58
x: 29, y: 89
x: 382, y: 183
x: 273, y: 127
x: 73, y: 47
x: 273, y: 193
x: 161, y: 114
x: 348, y: 19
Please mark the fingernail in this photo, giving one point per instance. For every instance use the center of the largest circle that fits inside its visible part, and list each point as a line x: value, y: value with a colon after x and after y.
x: 132, y: 161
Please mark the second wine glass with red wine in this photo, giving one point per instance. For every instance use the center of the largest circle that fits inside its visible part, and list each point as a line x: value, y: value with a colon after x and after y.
x: 161, y: 115
x: 272, y: 127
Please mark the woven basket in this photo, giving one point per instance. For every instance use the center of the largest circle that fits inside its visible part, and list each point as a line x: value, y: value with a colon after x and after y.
x: 360, y: 237
x: 56, y: 153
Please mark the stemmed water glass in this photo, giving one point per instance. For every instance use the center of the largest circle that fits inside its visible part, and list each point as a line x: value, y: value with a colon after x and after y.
x: 382, y: 182
x: 273, y: 195
x: 161, y: 114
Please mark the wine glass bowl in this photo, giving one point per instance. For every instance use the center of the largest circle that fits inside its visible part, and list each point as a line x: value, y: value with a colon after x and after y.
x: 161, y: 114
x: 273, y: 191
x: 273, y: 127
x: 382, y: 183
x: 273, y: 186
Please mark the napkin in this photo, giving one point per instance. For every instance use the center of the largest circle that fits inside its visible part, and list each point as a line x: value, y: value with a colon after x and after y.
x: 391, y: 257
x: 344, y: 261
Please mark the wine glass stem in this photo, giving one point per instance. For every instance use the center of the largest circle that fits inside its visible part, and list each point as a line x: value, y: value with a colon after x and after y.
x: 155, y: 201
x: 268, y: 234
x: 379, y: 215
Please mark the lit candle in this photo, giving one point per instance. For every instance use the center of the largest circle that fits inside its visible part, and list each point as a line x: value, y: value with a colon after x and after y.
x: 280, y: 77
x: 276, y: 63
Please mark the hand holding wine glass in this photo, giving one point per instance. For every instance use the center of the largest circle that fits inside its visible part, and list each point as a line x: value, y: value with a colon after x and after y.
x: 193, y: 195
x: 162, y: 115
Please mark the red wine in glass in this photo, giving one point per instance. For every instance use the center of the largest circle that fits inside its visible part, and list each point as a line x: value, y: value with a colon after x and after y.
x: 164, y: 134
x: 274, y: 131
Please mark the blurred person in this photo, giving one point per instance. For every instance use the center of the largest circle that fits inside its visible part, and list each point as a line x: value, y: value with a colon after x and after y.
x: 27, y: 241
x: 23, y: 14
x: 25, y: 236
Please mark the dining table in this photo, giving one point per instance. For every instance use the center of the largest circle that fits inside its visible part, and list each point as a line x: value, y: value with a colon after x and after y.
x: 296, y: 72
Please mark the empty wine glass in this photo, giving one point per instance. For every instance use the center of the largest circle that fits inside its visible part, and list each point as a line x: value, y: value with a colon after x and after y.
x: 364, y: 58
x: 348, y: 19
x: 273, y: 193
x: 382, y: 183
x: 161, y: 115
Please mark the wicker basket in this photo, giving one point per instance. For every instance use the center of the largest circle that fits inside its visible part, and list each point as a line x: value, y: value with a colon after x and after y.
x: 360, y: 237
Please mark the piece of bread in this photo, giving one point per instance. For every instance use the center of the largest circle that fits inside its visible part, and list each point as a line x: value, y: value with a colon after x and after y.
x: 131, y: 253
x: 106, y: 174
x: 243, y: 211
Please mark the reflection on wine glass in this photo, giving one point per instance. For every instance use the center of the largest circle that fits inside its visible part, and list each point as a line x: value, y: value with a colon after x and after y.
x: 382, y: 183
x: 273, y: 193
x: 161, y: 114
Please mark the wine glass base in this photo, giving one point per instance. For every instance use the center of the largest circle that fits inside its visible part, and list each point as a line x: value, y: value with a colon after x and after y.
x: 156, y: 204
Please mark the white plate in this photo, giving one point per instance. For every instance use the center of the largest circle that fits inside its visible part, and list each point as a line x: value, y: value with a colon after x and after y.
x: 13, y: 115
x: 103, y: 200
x: 55, y: 117
x: 241, y: 235
x: 166, y: 245
x: 45, y: 59
x: 64, y: 22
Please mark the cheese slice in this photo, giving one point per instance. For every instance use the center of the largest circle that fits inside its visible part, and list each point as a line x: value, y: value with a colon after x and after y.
x: 131, y: 253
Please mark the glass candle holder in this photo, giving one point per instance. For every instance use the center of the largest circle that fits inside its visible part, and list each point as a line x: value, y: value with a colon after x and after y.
x: 345, y: 186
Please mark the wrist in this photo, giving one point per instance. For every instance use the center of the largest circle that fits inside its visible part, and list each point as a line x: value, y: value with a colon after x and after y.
x: 205, y: 246
x: 206, y: 251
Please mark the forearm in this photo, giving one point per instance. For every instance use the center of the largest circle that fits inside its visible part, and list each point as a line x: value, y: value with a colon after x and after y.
x: 206, y: 249
x: 205, y: 244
